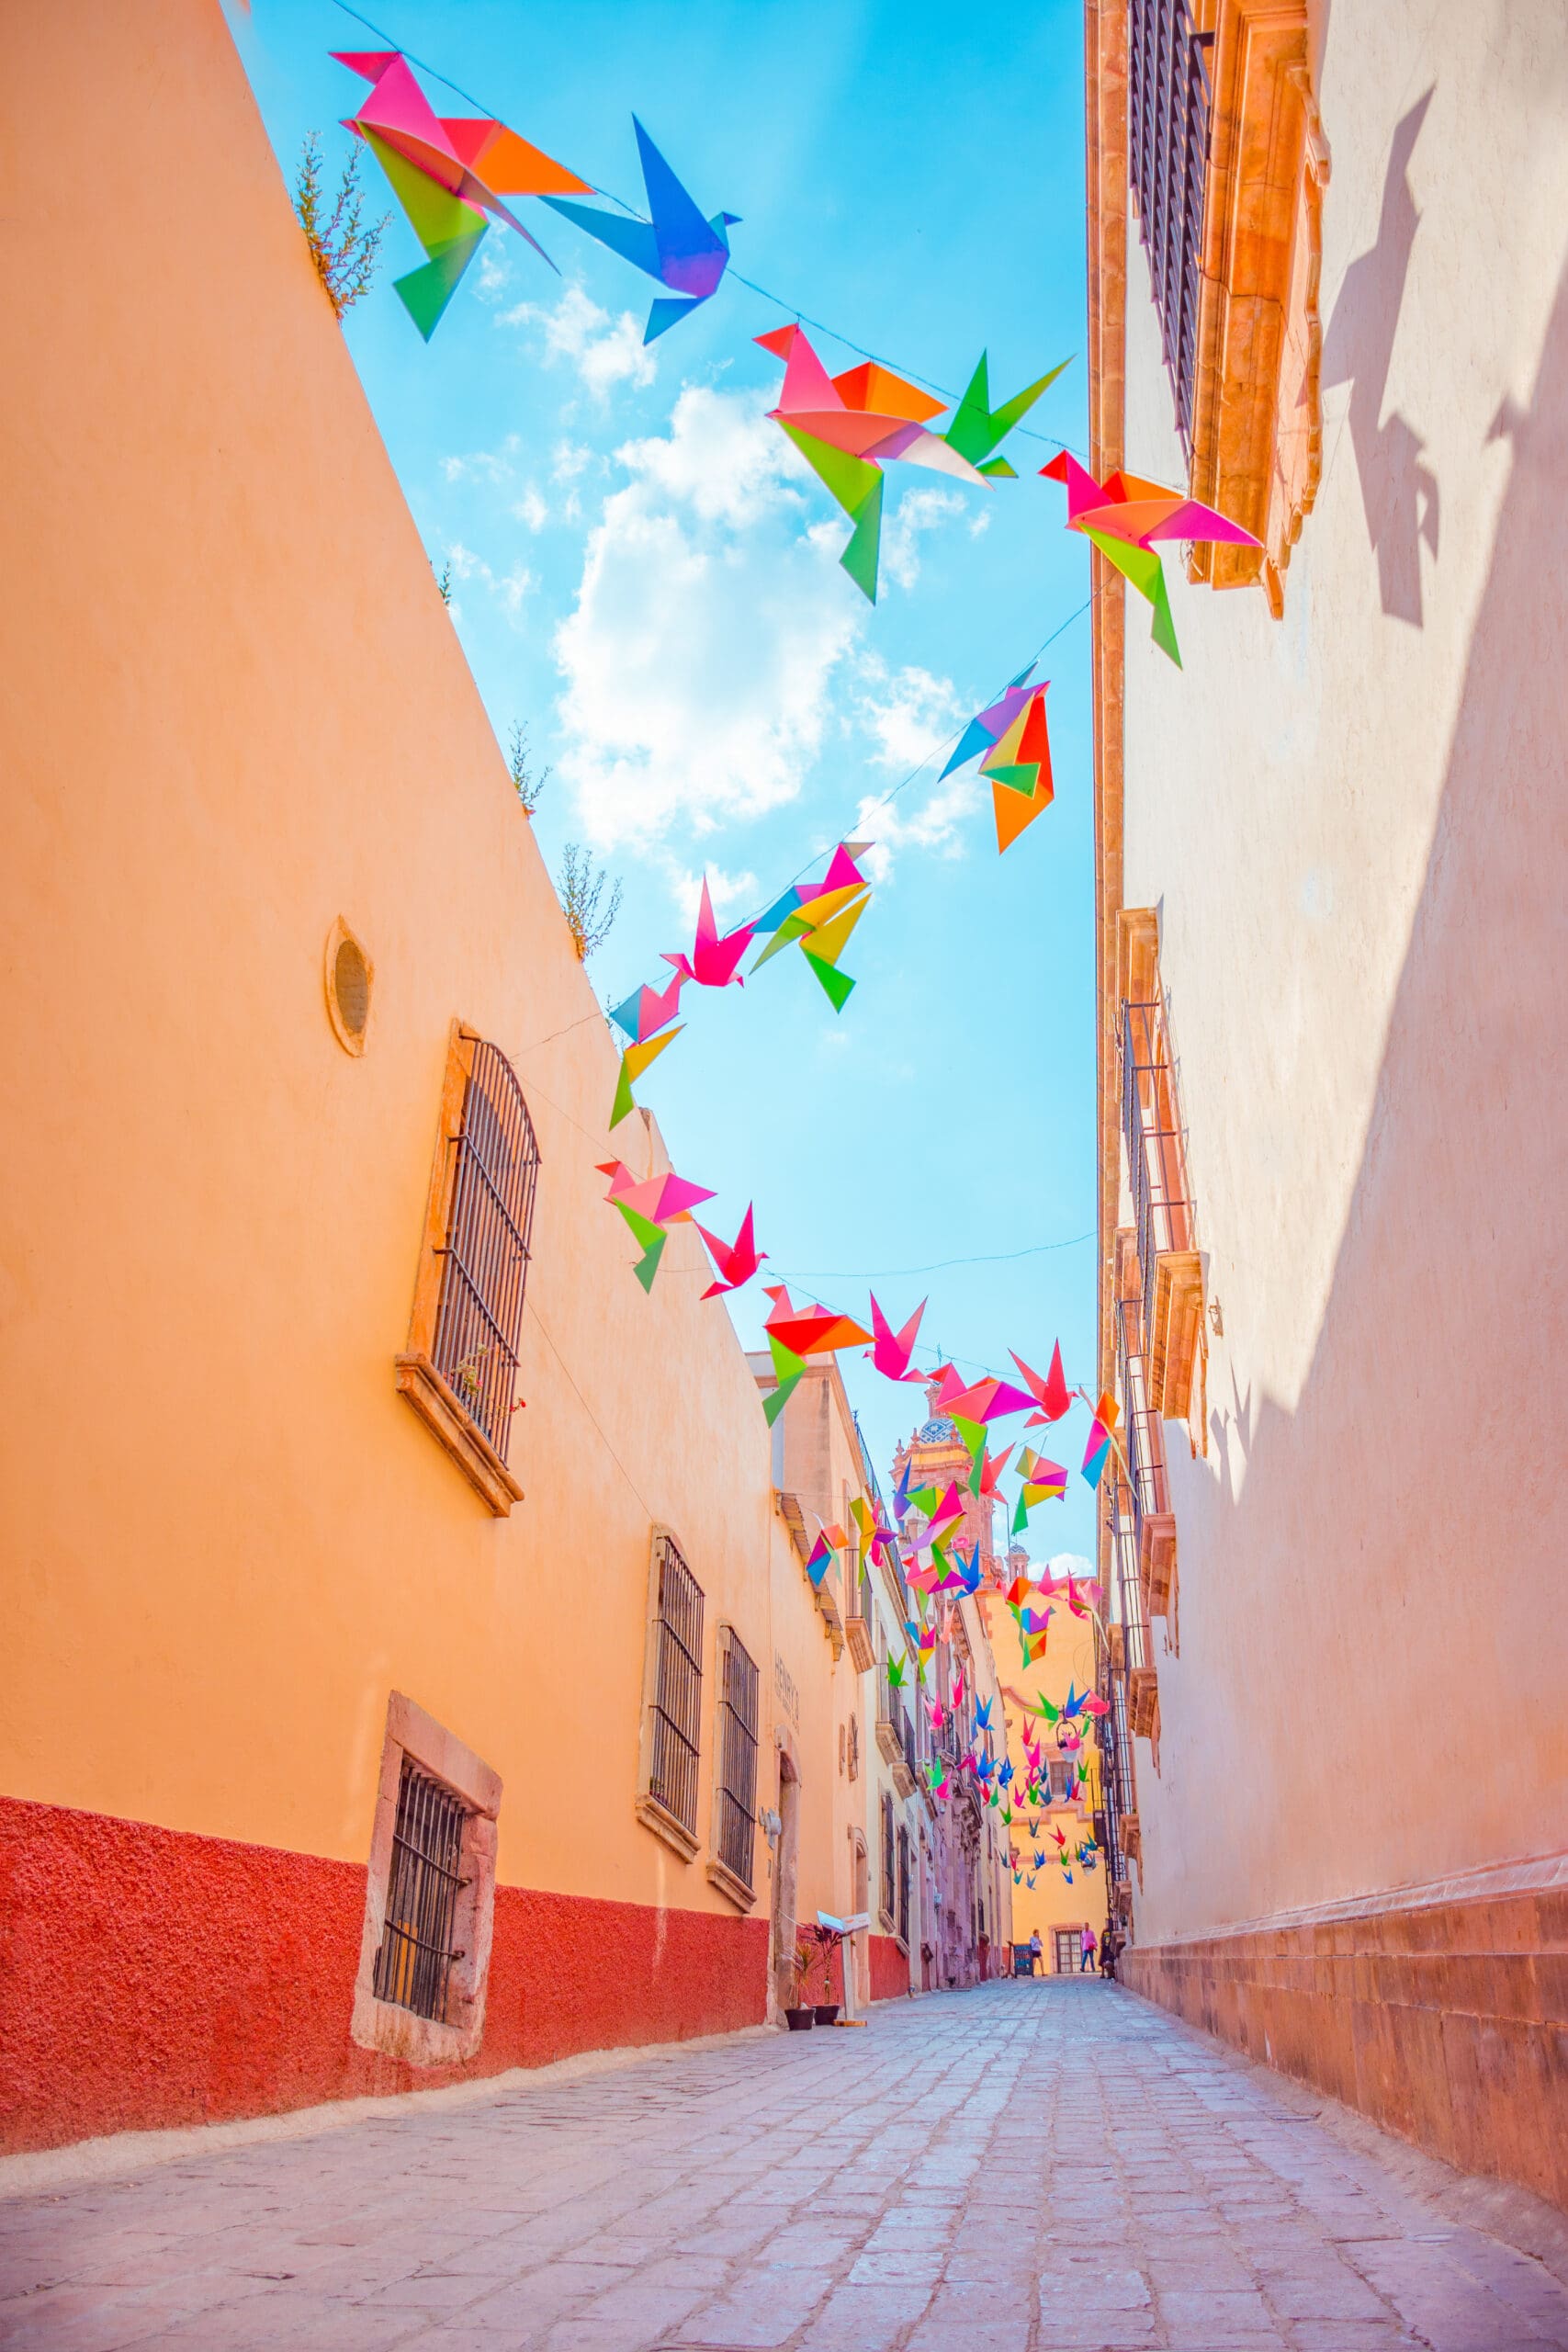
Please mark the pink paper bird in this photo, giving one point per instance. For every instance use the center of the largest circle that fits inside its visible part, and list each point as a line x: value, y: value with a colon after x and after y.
x: 648, y: 1009
x: 891, y: 1350
x: 988, y: 1400
x: 1051, y: 1394
x: 661, y: 1199
x: 713, y: 960
x: 736, y: 1262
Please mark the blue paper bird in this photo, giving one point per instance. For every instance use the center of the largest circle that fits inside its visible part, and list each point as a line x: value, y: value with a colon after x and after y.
x: 983, y: 1716
x: 1005, y: 1775
x: 1039, y: 1861
x: 681, y: 249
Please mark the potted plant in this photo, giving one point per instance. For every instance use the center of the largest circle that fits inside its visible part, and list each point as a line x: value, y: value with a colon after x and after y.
x: 799, y: 2014
x: 827, y: 1941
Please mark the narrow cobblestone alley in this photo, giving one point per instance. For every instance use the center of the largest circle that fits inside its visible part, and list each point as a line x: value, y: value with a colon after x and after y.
x: 1010, y: 2170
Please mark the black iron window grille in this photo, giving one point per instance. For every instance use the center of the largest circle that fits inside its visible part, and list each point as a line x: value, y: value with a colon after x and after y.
x: 1149, y: 1490
x: 903, y: 1886
x: 678, y: 1688
x: 414, y: 1967
x: 889, y: 1888
x: 739, y: 1687
x: 478, y: 1321
x: 1151, y: 1133
x: 1169, y: 106
x: 1128, y: 1597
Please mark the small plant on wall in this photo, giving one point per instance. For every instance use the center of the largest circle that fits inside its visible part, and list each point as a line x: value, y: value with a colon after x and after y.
x: 579, y: 886
x: 528, y: 780
x: 344, y: 246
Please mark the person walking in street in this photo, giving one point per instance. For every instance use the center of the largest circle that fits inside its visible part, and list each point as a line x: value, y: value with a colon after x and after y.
x: 1036, y: 1951
x: 1086, y: 1950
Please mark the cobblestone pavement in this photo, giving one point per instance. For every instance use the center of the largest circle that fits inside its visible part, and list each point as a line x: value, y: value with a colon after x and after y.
x: 1010, y: 2170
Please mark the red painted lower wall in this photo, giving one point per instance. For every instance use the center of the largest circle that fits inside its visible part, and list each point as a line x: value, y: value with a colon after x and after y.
x: 1444, y: 2021
x: 151, y: 1978
x: 889, y: 1969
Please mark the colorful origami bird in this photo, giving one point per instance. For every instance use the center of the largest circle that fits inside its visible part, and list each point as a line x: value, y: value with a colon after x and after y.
x: 812, y: 1331
x: 988, y: 1400
x: 649, y: 1206
x: 677, y: 246
x: 448, y: 173
x: 847, y: 427
x: 896, y: 1673
x: 983, y: 1716
x: 1013, y: 748
x: 634, y: 1059
x: 890, y: 1350
x: 736, y: 1260
x: 820, y: 916
x: 713, y: 961
x: 1097, y: 1451
x: 648, y: 1009
x: 1123, y: 516
x: 1051, y: 1394
x: 977, y: 429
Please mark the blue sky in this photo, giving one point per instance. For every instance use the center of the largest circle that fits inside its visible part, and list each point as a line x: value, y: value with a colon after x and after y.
x: 645, y: 576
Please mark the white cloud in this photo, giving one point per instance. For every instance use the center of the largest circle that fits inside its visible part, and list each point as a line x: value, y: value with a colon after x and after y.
x: 910, y: 718
x: 569, y: 459
x: 981, y: 523
x: 709, y: 622
x: 916, y: 511
x: 1071, y: 1564
x: 603, y: 350
x: 483, y: 464
x: 531, y: 509
x: 724, y: 889
x: 509, y: 589
x: 493, y: 275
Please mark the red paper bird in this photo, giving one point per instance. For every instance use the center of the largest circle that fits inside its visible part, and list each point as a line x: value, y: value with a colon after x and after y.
x: 713, y: 960
x: 891, y: 1350
x: 810, y: 1331
x: 736, y: 1262
x: 1051, y: 1394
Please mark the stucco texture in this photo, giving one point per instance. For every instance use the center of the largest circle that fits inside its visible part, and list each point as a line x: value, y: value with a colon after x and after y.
x: 154, y: 1979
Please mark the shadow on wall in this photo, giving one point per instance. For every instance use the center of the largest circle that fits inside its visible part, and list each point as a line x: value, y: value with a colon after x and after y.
x: 1400, y: 1527
x: 1399, y: 494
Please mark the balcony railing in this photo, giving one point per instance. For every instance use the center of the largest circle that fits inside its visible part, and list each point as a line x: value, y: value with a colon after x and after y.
x: 1145, y: 1497
x: 1170, y: 1278
x: 903, y: 1757
x: 1168, y: 155
x: 860, y: 1625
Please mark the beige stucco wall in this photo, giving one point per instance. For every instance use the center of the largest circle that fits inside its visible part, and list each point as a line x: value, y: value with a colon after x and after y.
x: 1351, y: 822
x: 234, y: 709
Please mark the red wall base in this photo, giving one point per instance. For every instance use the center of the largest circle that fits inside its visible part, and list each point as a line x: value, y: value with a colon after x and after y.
x: 151, y: 1978
x: 889, y: 1969
x: 1445, y: 2022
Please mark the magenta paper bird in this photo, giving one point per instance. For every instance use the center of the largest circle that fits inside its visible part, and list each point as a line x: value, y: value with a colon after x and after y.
x: 713, y: 960
x: 1124, y: 517
x: 736, y: 1262
x: 1051, y: 1394
x: 661, y: 1199
x: 891, y: 1350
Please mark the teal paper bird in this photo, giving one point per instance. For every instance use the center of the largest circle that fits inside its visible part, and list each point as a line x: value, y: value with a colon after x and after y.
x: 681, y: 249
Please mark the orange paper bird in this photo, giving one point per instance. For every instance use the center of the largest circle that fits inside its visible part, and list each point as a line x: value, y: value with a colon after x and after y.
x: 1051, y: 1394
x: 736, y: 1262
x: 810, y: 1331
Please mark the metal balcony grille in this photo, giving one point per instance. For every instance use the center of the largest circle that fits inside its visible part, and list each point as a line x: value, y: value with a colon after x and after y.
x: 678, y: 1688
x: 1127, y: 1598
x: 414, y: 1967
x: 1150, y: 1489
x: 889, y: 1889
x: 478, y: 1321
x: 903, y: 1886
x: 1151, y: 1134
x: 1168, y: 155
x: 738, y: 1761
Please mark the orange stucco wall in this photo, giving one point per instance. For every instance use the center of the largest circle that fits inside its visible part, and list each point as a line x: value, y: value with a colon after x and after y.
x: 235, y: 709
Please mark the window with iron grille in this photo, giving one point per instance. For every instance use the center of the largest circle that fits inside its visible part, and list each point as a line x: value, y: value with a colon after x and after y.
x: 889, y: 1863
x: 903, y: 1886
x: 737, y: 1794
x: 1168, y: 155
x: 478, y: 1321
x: 414, y: 1967
x: 459, y: 1371
x: 676, y: 1697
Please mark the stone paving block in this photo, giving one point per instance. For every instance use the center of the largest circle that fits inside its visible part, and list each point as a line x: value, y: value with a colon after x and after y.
x: 864, y: 2319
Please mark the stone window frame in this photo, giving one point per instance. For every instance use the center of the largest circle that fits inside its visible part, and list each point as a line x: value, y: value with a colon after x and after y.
x: 384, y: 2025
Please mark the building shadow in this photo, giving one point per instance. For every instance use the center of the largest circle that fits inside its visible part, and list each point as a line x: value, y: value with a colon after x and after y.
x: 1399, y: 1527
x: 1399, y: 493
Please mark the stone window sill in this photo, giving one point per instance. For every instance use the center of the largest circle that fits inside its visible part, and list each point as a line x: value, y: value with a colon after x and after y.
x: 663, y: 1823
x: 733, y: 1888
x: 457, y: 1433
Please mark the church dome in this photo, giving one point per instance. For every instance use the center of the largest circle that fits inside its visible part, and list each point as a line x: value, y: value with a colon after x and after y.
x: 939, y: 1431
